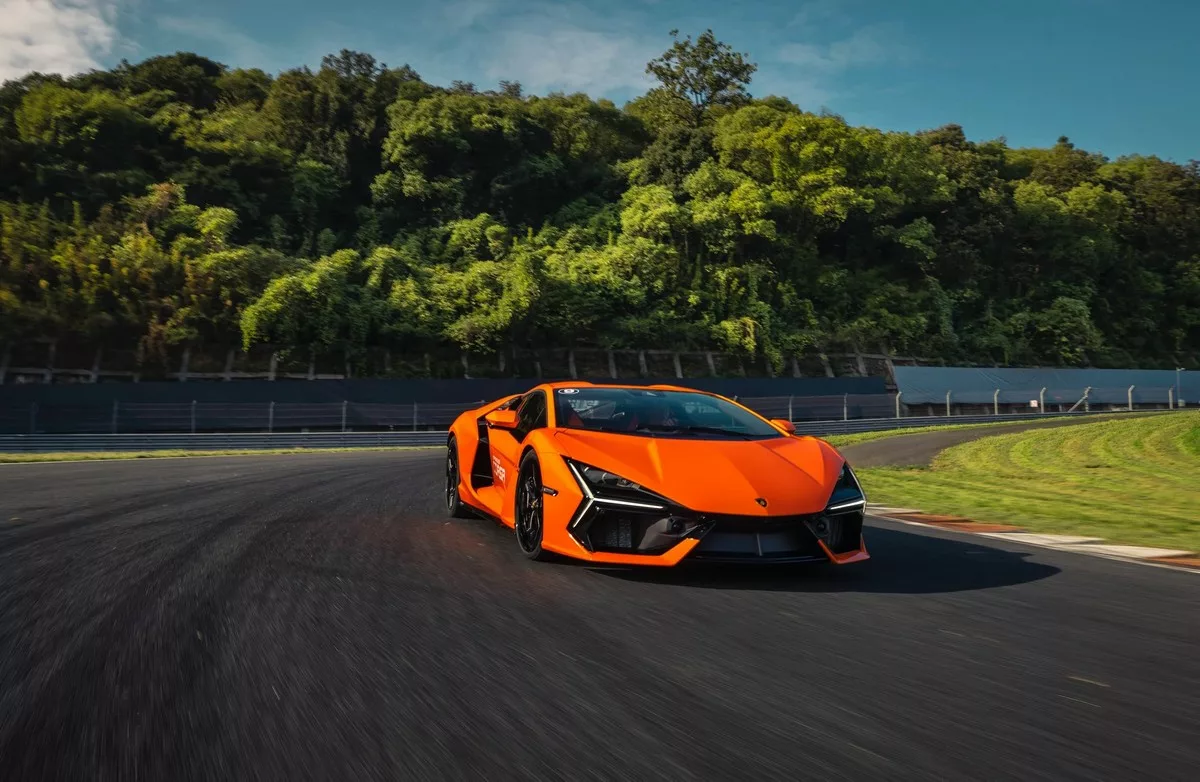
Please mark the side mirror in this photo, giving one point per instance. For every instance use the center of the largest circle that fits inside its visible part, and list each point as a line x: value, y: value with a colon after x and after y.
x: 785, y: 425
x: 502, y: 419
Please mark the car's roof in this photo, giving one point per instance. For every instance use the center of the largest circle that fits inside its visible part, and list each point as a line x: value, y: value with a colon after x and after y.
x: 585, y: 384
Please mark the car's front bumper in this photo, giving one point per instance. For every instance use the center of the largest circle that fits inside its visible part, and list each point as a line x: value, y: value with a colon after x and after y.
x: 786, y: 539
x: 629, y: 536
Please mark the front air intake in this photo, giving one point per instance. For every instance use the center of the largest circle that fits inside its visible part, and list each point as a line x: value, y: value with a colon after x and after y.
x: 841, y: 532
x: 759, y: 539
x: 623, y: 531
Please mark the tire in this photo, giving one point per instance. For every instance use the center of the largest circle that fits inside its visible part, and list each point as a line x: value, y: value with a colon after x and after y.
x: 528, y: 519
x: 455, y: 507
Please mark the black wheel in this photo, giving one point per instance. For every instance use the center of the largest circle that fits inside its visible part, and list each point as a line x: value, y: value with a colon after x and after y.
x: 529, y: 509
x: 455, y: 507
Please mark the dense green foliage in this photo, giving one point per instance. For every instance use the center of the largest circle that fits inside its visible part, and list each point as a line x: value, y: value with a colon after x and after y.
x: 178, y: 201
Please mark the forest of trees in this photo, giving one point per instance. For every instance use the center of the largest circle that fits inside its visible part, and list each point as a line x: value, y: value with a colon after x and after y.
x: 178, y: 201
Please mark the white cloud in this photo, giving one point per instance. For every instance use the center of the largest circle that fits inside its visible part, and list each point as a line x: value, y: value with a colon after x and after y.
x: 869, y: 46
x: 464, y: 13
x: 817, y: 11
x: 806, y: 92
x: 55, y: 36
x: 228, y: 43
x: 815, y: 73
x: 552, y: 47
x: 571, y: 58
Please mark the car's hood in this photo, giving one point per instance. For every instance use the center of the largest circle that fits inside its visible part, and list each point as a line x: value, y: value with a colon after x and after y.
x: 794, y: 475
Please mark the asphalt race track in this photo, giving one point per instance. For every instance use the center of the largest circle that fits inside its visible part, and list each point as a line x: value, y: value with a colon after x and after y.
x: 316, y: 617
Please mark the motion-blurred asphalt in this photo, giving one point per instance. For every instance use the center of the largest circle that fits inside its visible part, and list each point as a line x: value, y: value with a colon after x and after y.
x: 316, y: 617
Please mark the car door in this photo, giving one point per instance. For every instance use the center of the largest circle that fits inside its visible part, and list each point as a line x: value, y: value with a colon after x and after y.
x: 506, y: 444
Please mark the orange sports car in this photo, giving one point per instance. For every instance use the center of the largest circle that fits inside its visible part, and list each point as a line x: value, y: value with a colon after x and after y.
x: 652, y: 475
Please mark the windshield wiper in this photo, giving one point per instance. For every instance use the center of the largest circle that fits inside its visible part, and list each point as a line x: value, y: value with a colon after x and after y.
x: 717, y: 430
x: 660, y: 429
x: 695, y: 430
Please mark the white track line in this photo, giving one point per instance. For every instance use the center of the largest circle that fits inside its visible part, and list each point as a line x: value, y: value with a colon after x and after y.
x: 1101, y: 553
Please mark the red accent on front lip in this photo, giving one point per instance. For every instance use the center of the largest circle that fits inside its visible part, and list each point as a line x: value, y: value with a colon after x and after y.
x: 849, y: 556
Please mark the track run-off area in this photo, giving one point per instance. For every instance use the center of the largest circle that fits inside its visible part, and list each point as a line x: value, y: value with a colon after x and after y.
x: 317, y: 616
x: 1126, y: 479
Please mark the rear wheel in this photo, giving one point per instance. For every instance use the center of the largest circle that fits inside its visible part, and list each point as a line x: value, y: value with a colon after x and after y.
x: 529, y: 516
x: 455, y: 507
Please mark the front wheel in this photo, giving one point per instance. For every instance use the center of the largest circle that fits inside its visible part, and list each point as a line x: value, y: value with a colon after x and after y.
x: 455, y: 507
x: 529, y: 516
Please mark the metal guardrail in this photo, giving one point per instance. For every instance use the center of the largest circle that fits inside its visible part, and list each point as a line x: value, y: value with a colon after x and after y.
x: 821, y: 428
x: 82, y: 443
x: 346, y: 417
x: 273, y: 418
x: 226, y: 417
x: 51, y: 443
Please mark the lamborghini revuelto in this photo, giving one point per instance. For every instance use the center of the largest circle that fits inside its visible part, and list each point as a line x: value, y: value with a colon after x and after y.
x: 652, y: 475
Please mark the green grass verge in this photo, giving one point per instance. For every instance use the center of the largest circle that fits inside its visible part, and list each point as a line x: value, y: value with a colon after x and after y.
x: 838, y: 440
x: 1127, y: 480
x: 71, y: 456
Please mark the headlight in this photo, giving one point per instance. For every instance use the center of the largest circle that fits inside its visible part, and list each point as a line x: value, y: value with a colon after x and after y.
x: 608, y: 488
x: 847, y: 494
x: 602, y: 479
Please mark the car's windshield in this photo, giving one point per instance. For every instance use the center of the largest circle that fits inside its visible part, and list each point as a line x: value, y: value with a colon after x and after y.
x: 655, y: 412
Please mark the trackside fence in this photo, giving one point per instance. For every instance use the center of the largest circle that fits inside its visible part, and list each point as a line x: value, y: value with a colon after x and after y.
x: 223, y: 417
x: 912, y: 408
x: 52, y: 443
x: 83, y: 443
x: 342, y: 417
x: 345, y: 417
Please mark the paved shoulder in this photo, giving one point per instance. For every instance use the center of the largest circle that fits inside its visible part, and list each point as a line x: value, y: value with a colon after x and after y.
x: 919, y: 449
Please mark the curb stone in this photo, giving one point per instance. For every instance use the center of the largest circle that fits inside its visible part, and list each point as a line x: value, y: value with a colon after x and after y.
x: 1091, y: 546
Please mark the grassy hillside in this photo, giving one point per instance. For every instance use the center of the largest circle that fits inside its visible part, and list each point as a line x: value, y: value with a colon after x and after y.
x: 358, y: 215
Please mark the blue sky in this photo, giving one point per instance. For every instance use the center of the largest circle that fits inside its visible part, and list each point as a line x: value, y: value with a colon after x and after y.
x: 1115, y: 76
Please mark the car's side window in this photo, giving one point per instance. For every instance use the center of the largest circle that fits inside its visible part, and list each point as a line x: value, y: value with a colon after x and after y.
x: 532, y: 414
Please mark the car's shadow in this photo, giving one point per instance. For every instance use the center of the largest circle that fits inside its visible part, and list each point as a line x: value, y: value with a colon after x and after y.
x: 901, y: 563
